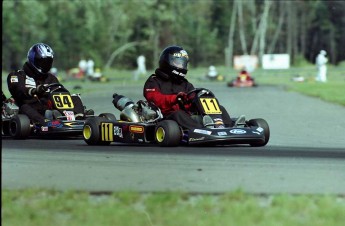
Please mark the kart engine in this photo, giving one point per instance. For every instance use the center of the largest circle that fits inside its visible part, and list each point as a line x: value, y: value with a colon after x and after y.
x: 135, y: 112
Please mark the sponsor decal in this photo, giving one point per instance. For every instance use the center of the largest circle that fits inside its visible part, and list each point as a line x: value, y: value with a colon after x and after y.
x: 14, y: 79
x: 44, y: 128
x: 182, y: 53
x: 197, y: 139
x: 222, y: 133
x: 55, y: 124
x: 30, y: 82
x: 136, y: 129
x: 70, y: 124
x: 69, y: 115
x: 118, y: 131
x: 150, y: 90
x: 202, y: 131
x: 260, y: 129
x: 178, y: 73
x: 237, y: 131
x: 256, y: 132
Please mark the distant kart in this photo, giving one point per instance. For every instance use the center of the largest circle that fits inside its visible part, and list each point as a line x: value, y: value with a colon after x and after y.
x: 64, y: 121
x: 243, y: 80
x: 143, y: 123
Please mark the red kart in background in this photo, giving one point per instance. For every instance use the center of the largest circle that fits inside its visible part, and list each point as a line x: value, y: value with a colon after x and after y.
x: 242, y: 80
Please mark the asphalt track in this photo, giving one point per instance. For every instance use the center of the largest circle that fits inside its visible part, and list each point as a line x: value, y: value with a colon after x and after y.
x: 305, y: 154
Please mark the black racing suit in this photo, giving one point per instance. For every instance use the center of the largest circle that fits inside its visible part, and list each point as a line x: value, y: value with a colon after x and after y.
x: 20, y: 83
x: 162, y: 89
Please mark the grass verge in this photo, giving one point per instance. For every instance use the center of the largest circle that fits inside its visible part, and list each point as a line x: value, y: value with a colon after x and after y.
x: 48, y: 207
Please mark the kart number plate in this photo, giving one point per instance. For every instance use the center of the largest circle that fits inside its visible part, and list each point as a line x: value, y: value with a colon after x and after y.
x: 107, y: 131
x: 63, y: 101
x: 210, y: 106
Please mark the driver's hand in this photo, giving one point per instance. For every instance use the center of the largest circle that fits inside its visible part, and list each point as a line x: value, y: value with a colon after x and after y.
x: 40, y: 89
x: 181, y: 97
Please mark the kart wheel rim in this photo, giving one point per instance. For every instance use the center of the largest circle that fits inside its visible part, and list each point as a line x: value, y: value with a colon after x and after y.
x: 87, y: 132
x: 160, y: 134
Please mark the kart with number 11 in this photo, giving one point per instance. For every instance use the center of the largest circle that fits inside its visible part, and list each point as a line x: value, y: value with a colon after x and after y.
x: 143, y: 123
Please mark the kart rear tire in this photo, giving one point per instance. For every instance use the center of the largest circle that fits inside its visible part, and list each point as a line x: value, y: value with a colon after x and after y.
x: 5, y: 128
x: 20, y: 127
x: 168, y: 133
x: 263, y: 124
x: 109, y: 116
x: 92, y: 133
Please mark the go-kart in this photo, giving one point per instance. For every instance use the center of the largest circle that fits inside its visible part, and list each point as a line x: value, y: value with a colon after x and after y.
x: 61, y: 115
x: 242, y: 81
x: 144, y: 123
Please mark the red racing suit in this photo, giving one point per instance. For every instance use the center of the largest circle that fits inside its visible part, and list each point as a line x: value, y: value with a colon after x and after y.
x: 162, y: 91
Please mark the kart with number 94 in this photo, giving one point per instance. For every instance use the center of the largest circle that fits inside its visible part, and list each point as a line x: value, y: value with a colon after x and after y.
x: 61, y: 105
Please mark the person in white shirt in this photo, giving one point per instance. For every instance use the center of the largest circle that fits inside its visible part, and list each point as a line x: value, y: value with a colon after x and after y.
x: 321, y: 61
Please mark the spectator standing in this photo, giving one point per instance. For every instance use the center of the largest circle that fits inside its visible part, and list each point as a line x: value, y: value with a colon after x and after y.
x: 90, y: 64
x: 141, y: 67
x: 321, y: 61
x: 82, y: 68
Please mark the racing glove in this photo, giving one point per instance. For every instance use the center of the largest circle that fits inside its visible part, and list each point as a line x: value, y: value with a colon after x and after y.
x: 181, y: 97
x: 40, y: 89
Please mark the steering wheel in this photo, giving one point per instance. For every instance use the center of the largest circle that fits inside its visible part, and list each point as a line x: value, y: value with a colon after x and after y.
x: 192, y: 94
x: 50, y: 87
x: 199, y: 92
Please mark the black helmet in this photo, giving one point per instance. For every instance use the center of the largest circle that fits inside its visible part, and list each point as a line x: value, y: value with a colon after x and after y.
x: 174, y: 61
x: 40, y: 58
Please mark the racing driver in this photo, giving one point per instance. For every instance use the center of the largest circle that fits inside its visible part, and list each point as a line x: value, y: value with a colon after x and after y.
x: 27, y: 85
x: 169, y: 83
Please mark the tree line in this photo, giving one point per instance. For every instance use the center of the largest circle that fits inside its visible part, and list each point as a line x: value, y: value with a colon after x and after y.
x: 114, y: 32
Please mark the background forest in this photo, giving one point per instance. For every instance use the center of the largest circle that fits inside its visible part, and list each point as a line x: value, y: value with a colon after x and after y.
x: 115, y: 32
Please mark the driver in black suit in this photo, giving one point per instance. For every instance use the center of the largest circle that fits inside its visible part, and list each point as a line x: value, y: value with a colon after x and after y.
x: 27, y: 85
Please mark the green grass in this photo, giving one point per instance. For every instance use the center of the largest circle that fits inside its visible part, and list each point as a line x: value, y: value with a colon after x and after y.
x: 48, y: 207
x: 332, y: 91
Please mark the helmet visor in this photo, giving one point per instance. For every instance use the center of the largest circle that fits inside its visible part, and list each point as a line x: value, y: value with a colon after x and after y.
x: 44, y: 64
x: 179, y: 62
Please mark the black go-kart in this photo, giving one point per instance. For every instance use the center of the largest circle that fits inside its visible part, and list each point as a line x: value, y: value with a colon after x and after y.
x: 63, y: 120
x: 143, y: 123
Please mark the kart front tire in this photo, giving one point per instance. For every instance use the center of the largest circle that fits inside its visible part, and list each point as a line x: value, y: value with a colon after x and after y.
x: 92, y: 133
x: 108, y: 116
x: 168, y: 133
x: 20, y: 126
x: 263, y: 124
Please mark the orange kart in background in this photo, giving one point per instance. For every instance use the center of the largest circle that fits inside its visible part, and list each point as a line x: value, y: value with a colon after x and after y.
x: 242, y: 80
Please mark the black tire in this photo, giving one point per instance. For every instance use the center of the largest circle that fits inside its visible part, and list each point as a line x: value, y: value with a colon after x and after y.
x: 263, y: 124
x: 20, y: 126
x: 92, y: 133
x: 5, y: 128
x: 109, y: 116
x: 168, y: 133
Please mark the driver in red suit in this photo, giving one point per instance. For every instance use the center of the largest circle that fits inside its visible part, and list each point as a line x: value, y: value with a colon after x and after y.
x: 169, y: 84
x: 244, y: 76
